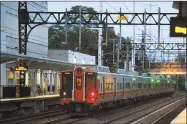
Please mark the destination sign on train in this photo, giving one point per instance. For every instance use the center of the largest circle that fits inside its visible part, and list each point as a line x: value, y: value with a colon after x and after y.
x: 178, y: 27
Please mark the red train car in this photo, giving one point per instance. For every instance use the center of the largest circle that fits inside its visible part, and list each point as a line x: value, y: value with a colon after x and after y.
x: 89, y: 88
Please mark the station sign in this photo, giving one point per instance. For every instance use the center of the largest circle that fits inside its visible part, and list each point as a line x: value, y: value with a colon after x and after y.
x: 178, y: 27
x: 21, y: 68
x: 123, y: 18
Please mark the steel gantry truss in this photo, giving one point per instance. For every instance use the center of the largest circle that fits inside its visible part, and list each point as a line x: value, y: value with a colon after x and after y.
x: 29, y: 20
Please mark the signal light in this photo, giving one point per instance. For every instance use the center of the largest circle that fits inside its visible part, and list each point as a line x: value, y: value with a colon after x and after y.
x: 92, y: 94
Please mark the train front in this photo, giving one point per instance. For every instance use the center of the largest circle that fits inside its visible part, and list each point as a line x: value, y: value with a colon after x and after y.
x: 79, y: 92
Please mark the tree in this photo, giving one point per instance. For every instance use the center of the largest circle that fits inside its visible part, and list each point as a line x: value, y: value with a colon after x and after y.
x: 89, y: 38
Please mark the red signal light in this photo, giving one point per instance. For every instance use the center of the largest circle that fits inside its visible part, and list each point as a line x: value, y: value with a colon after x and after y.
x: 92, y: 94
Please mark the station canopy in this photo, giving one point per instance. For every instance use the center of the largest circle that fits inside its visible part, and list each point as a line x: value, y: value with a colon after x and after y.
x: 12, y: 60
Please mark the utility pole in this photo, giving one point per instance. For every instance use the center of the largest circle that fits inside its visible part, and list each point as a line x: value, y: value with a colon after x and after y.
x: 127, y: 60
x: 80, y: 29
x: 100, y: 40
x: 134, y: 37
x: 118, y: 48
x: 100, y: 47
x: 159, y: 28
x: 144, y: 37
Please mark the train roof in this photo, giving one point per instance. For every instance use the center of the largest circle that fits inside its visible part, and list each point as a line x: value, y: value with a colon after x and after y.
x: 107, y: 70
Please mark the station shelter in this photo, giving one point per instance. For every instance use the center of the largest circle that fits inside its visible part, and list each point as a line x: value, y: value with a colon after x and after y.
x: 43, y: 74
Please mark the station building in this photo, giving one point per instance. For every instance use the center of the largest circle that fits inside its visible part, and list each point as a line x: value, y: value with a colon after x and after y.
x: 37, y: 47
x: 37, y: 42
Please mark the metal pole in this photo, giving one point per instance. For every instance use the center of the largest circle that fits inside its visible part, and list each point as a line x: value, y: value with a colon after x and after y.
x: 127, y: 66
x: 66, y: 26
x: 119, y: 43
x: 80, y: 29
x: 114, y: 44
x: 149, y: 60
x: 150, y: 20
x: 118, y: 46
x: 159, y: 27
x: 106, y: 30
x: 99, y: 47
x: 120, y: 31
x: 144, y: 37
x: 133, y: 53
x: 117, y: 62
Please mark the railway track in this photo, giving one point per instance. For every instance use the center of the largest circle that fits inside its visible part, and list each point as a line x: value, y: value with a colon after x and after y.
x: 133, y: 116
x: 169, y: 116
x: 95, y: 118
x: 105, y: 117
x: 31, y: 118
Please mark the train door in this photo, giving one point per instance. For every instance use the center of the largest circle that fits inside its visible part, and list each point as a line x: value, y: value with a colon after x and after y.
x: 79, y: 85
x: 90, y: 85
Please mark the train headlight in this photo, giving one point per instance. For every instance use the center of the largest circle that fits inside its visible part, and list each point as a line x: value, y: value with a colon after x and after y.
x: 64, y: 93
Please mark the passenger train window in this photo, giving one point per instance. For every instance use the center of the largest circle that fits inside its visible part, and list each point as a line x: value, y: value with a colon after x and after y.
x: 139, y: 85
x: 121, y: 86
x: 127, y: 85
x: 109, y: 86
x: 79, y: 83
x: 118, y: 86
x: 149, y: 85
x: 144, y: 85
x: 67, y: 81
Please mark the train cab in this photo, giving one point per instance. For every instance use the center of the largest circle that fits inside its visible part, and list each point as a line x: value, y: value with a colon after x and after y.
x: 79, y: 90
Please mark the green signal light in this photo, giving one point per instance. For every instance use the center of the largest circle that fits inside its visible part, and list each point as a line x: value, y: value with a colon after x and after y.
x: 133, y: 79
x: 168, y: 81
x: 152, y: 80
x: 98, y: 77
x: 158, y: 81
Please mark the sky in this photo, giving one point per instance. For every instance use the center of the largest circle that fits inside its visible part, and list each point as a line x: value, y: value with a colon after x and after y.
x: 127, y: 30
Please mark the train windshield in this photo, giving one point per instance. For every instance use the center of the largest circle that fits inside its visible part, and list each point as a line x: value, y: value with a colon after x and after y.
x: 67, y: 81
x: 90, y: 82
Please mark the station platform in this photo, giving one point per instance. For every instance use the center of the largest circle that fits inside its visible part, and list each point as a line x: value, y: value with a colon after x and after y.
x: 30, y: 98
x: 181, y: 118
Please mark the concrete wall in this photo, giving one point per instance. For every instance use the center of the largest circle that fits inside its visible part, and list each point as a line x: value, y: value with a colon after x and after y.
x: 38, y: 39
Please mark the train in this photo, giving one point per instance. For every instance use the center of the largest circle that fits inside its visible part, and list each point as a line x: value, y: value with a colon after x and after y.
x: 88, y: 89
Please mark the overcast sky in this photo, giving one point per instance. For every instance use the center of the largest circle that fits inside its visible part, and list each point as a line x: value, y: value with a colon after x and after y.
x: 126, y: 7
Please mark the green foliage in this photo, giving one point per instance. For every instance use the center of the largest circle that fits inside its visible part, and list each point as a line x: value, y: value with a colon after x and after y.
x: 89, y: 38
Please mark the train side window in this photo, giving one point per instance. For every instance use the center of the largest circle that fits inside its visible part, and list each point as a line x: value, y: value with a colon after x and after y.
x: 128, y: 85
x: 118, y: 86
x: 149, y: 85
x: 139, y: 85
x: 109, y: 86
